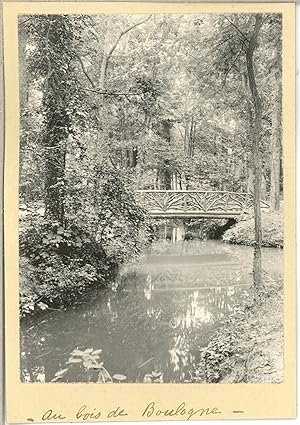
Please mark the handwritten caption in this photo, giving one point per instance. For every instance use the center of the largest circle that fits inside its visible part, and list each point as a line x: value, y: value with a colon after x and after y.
x: 152, y: 409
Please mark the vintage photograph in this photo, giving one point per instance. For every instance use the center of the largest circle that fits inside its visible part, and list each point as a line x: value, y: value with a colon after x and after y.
x: 151, y: 198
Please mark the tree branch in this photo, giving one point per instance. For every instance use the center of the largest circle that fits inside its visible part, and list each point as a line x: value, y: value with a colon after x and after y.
x: 266, y: 17
x: 84, y: 71
x: 106, y: 58
x: 221, y: 42
x: 123, y: 33
x: 113, y: 93
x: 24, y: 22
x: 237, y: 29
x: 233, y: 63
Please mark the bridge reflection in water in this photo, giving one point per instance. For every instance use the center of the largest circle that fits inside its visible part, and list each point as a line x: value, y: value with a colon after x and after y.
x: 182, y: 277
x: 158, y: 309
x: 197, y: 280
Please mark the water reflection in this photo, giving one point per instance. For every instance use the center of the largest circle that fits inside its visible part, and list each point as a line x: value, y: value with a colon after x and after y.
x: 142, y: 326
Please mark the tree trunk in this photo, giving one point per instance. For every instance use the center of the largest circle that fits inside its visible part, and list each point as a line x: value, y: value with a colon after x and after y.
x: 101, y: 110
x: 263, y: 187
x: 256, y: 134
x: 276, y: 137
x: 166, y: 175
x: 23, y: 94
x: 191, y: 141
x: 55, y: 181
x: 57, y: 123
x: 189, y: 137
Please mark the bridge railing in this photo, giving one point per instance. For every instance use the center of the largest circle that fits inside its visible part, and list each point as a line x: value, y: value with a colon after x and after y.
x: 196, y: 203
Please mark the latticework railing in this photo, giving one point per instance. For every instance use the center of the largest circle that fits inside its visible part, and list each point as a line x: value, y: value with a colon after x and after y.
x: 195, y: 203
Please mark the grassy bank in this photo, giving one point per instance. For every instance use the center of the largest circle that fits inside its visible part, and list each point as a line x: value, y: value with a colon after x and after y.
x: 272, y: 230
x: 249, y: 345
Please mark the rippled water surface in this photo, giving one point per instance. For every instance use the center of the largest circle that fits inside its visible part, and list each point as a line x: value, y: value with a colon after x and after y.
x: 179, y: 292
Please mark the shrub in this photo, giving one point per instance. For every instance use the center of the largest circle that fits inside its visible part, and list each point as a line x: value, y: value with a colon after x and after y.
x: 226, y: 358
x: 120, y: 220
x: 45, y: 241
x: 61, y: 264
x: 204, y: 228
x: 66, y: 260
x: 272, y: 230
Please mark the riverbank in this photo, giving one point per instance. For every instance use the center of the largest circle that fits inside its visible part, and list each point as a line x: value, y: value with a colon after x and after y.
x: 243, y: 231
x: 57, y: 287
x: 60, y: 262
x: 249, y: 346
x: 157, y: 312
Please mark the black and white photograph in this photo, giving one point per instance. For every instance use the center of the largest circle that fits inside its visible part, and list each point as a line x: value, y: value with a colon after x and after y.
x: 151, y: 174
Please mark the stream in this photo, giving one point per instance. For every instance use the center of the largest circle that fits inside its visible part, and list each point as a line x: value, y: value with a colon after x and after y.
x: 178, y: 292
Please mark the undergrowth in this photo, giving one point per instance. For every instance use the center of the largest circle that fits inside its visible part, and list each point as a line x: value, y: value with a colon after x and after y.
x: 230, y: 349
x: 58, y: 264
x: 272, y: 230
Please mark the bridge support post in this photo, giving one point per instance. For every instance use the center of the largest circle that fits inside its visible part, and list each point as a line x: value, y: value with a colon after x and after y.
x: 166, y: 228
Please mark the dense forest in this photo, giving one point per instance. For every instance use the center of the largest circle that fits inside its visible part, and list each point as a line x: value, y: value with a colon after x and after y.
x: 165, y: 100
x: 114, y: 104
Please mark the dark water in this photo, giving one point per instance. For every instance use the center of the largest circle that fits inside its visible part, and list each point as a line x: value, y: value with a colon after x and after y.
x: 178, y: 293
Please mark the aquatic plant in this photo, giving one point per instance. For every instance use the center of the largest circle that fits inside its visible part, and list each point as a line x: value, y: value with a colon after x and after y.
x: 154, y: 377
x: 89, y: 359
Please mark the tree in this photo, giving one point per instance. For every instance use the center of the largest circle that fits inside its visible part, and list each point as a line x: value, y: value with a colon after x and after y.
x: 165, y: 100
x: 256, y: 136
x: 276, y: 131
x: 52, y: 61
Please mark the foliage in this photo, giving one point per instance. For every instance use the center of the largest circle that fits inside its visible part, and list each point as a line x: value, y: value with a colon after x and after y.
x: 204, y: 228
x: 111, y: 104
x: 62, y: 264
x: 73, y: 259
x: 119, y: 218
x: 172, y: 116
x: 55, y: 285
x: 29, y: 299
x: 89, y: 361
x: 50, y: 240
x: 153, y: 377
x: 223, y: 351
x: 231, y: 351
x: 272, y: 230
x: 89, y: 364
x: 51, y: 63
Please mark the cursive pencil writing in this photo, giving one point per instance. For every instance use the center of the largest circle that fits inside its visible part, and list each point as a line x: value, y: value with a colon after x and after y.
x: 180, y: 410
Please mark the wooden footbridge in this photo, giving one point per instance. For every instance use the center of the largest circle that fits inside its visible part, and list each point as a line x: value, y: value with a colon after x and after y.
x: 196, y: 203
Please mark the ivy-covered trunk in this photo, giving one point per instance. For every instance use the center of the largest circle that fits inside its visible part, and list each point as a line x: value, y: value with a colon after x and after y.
x: 55, y: 177
x: 55, y: 49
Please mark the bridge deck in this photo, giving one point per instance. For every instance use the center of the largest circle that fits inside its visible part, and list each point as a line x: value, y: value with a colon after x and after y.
x: 196, y: 203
